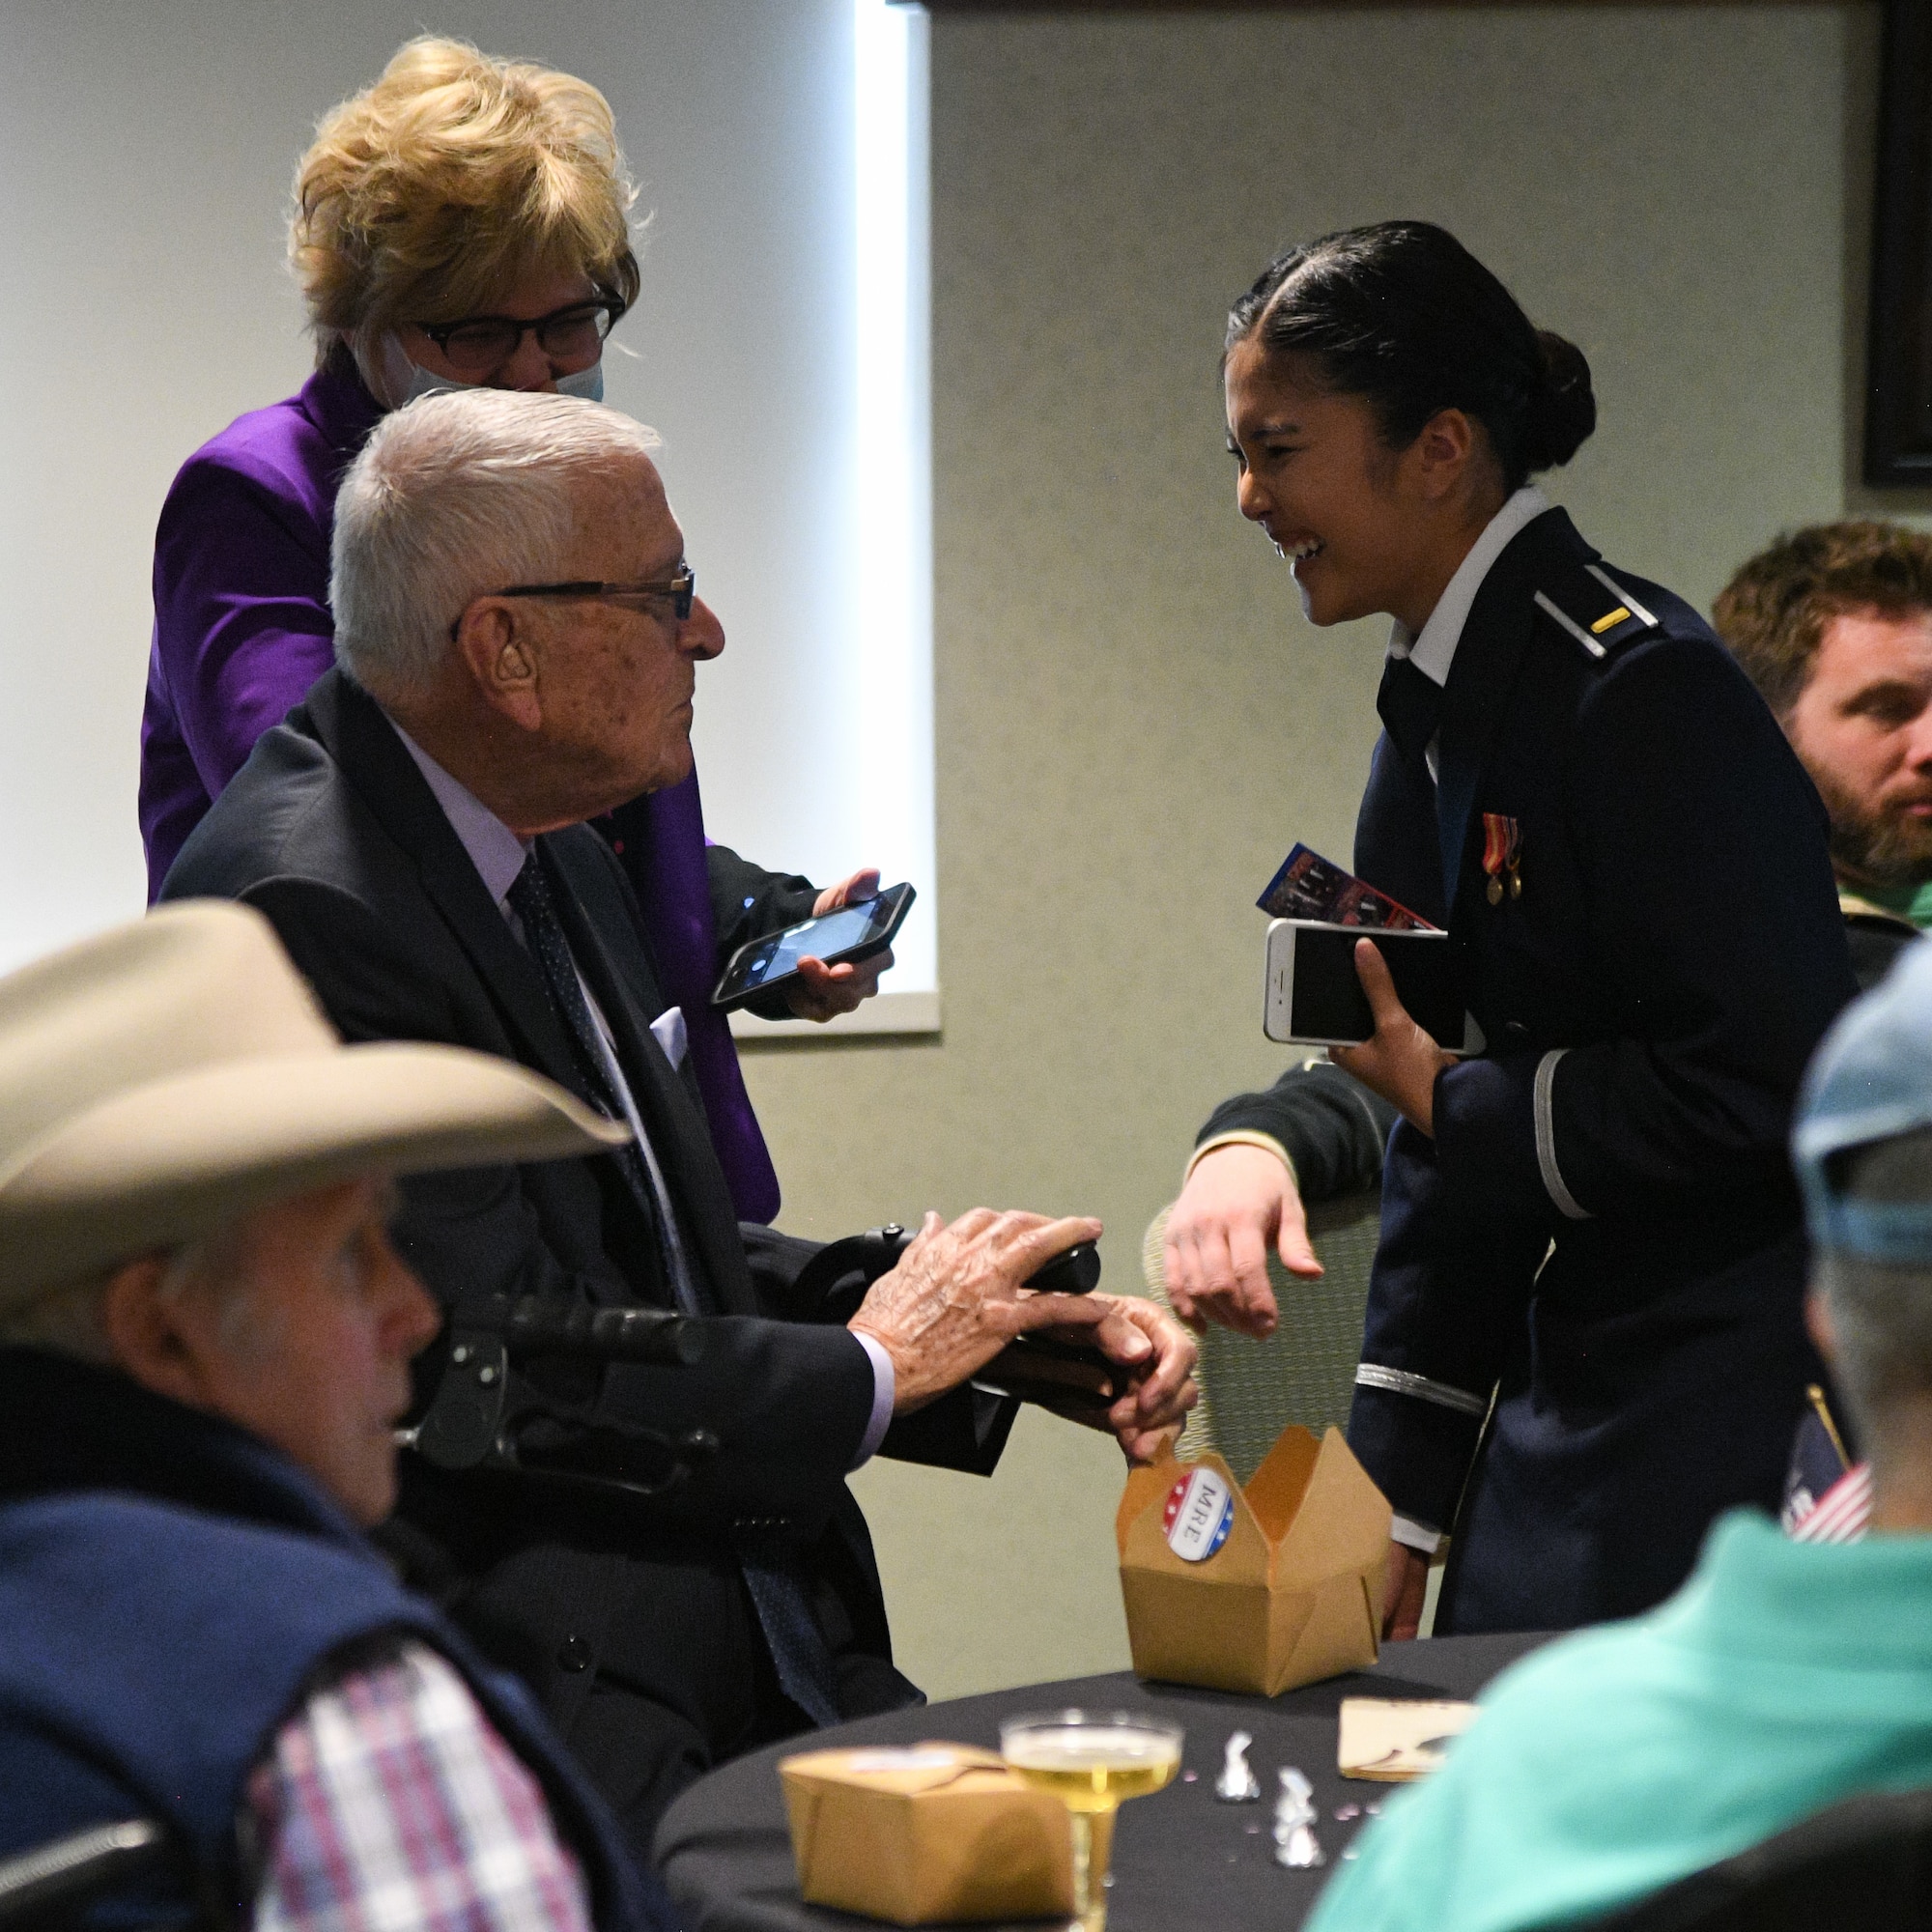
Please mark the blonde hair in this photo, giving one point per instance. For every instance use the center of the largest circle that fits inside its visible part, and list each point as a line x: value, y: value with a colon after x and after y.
x: 455, y: 175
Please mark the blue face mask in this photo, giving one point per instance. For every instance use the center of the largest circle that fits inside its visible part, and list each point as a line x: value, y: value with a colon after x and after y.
x: 407, y: 382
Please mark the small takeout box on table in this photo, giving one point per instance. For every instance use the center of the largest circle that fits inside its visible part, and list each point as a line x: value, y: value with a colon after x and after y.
x: 936, y: 1833
x: 1258, y: 1588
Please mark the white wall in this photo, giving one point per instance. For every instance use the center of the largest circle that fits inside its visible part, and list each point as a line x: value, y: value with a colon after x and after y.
x: 147, y: 151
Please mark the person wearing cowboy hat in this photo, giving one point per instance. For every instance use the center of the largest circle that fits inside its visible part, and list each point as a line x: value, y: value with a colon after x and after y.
x: 205, y: 1339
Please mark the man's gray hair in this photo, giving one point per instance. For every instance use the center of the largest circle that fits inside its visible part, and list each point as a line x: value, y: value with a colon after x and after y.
x: 70, y: 1320
x: 1882, y: 1311
x: 459, y: 495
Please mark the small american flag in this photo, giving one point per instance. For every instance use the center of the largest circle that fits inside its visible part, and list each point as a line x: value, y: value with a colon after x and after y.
x: 1826, y: 1495
x: 1841, y: 1513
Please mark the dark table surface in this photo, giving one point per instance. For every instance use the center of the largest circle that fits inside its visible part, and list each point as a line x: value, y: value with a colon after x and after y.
x: 1183, y: 1860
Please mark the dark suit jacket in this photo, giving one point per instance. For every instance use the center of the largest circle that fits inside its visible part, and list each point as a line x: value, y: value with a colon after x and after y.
x: 331, y: 832
x: 1649, y: 1003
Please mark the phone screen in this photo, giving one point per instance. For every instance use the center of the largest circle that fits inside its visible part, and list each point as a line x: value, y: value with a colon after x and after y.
x: 864, y: 927
x: 1326, y: 1000
x: 816, y: 939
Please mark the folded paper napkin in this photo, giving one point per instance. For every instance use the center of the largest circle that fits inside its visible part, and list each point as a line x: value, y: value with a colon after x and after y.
x: 1391, y: 1742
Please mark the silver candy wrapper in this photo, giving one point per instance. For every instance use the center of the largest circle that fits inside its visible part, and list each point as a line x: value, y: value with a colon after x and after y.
x: 1296, y: 1844
x: 1237, y: 1783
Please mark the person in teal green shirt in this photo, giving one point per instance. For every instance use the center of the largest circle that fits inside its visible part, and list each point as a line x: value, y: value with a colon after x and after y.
x: 1784, y: 1676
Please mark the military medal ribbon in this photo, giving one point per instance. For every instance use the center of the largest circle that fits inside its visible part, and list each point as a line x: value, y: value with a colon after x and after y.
x: 1502, y: 852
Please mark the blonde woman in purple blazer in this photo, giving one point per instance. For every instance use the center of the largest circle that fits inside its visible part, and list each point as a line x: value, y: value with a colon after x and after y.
x: 463, y: 221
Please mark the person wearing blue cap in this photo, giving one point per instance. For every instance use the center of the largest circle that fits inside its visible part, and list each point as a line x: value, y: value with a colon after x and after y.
x: 1784, y: 1676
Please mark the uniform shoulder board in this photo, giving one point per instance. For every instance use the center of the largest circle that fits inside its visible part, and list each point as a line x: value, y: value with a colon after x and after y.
x: 1593, y: 610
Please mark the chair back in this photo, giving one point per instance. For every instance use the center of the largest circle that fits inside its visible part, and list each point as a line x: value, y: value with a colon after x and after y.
x: 1864, y: 1865
x: 1305, y: 1371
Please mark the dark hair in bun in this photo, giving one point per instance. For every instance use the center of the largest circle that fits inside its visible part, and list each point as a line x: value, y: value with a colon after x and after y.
x: 1404, y: 316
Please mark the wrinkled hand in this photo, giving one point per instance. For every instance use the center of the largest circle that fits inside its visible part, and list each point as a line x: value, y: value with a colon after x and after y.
x: 1157, y: 1356
x: 1238, y: 1202
x: 820, y: 992
x: 1404, y: 1584
x: 954, y: 1302
x: 1400, y: 1061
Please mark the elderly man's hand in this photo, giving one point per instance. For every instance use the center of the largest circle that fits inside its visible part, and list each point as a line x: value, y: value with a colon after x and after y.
x: 954, y: 1300
x: 1157, y: 1356
x: 822, y: 992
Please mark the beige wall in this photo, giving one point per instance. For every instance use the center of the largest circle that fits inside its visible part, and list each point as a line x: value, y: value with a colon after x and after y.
x: 1133, y: 722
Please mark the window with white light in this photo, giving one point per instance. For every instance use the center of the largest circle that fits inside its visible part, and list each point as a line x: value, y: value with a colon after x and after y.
x: 778, y: 346
x: 890, y: 671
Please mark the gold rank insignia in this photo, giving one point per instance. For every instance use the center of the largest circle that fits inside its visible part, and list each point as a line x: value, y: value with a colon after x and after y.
x: 1590, y: 607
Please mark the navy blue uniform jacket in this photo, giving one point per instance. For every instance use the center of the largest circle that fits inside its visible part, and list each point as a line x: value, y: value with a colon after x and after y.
x: 1604, y: 1230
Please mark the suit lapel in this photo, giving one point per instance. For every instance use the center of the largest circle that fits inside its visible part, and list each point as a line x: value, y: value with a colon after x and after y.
x: 372, y: 760
x: 1480, y: 679
x: 385, y: 776
x: 679, y: 1135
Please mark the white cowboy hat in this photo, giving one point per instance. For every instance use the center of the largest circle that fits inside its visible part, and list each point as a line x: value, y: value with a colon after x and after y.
x: 164, y: 1077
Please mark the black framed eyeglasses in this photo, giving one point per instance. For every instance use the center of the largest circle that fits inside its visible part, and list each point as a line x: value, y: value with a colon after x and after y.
x: 677, y: 590
x: 573, y: 334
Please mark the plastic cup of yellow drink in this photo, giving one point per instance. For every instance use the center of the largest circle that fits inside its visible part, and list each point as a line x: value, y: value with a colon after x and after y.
x: 1092, y: 1761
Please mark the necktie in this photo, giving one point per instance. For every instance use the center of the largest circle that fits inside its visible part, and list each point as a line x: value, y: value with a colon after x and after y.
x: 530, y: 899
x: 773, y: 1573
x: 1410, y: 703
x: 800, y: 1654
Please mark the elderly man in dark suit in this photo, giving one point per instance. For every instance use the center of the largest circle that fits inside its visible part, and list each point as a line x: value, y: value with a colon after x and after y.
x: 517, y: 639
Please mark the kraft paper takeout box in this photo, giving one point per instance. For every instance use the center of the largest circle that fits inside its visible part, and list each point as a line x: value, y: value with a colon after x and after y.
x: 1257, y: 1589
x: 938, y: 1834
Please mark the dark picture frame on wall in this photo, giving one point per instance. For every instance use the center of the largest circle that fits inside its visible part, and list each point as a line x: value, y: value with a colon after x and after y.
x: 1898, y: 364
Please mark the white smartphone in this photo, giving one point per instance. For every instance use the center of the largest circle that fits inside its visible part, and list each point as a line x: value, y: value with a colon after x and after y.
x: 1313, y: 996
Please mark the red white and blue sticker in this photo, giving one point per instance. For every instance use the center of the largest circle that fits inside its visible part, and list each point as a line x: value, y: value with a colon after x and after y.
x: 1199, y: 1515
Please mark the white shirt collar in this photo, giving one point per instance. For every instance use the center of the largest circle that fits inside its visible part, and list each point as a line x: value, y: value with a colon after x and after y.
x: 495, y: 850
x: 1433, y: 650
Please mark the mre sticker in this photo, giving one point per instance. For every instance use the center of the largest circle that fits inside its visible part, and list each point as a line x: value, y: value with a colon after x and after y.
x: 1199, y: 1515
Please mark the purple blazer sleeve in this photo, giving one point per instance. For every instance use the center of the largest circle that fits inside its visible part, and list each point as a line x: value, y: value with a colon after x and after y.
x: 242, y: 623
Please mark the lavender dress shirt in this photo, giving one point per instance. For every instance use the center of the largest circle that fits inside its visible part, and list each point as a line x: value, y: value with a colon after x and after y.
x: 498, y: 855
x: 242, y: 628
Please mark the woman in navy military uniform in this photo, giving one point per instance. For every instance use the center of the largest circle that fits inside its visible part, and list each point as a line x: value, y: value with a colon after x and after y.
x: 1593, y: 1220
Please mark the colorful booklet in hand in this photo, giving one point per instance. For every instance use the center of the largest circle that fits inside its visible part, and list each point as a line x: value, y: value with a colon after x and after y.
x: 1309, y: 886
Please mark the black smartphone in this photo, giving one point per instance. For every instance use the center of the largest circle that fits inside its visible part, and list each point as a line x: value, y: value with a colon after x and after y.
x: 852, y: 932
x: 1314, y: 998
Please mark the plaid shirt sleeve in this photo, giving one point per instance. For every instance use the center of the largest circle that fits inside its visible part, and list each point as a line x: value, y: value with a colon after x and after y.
x: 389, y: 1803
